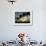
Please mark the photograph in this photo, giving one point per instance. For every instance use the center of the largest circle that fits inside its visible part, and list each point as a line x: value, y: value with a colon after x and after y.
x: 23, y: 18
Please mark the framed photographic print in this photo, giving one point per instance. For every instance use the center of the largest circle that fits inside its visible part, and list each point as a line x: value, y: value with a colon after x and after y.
x: 23, y: 18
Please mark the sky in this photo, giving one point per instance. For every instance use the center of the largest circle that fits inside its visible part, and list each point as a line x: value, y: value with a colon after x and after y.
x: 18, y: 13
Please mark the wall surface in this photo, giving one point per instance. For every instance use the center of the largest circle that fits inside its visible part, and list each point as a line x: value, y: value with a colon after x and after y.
x: 8, y: 31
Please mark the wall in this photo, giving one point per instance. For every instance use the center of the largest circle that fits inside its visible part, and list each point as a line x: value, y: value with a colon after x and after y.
x: 9, y: 31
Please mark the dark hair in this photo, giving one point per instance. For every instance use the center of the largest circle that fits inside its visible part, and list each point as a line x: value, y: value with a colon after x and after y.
x: 28, y: 13
x: 20, y: 16
x: 24, y: 14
